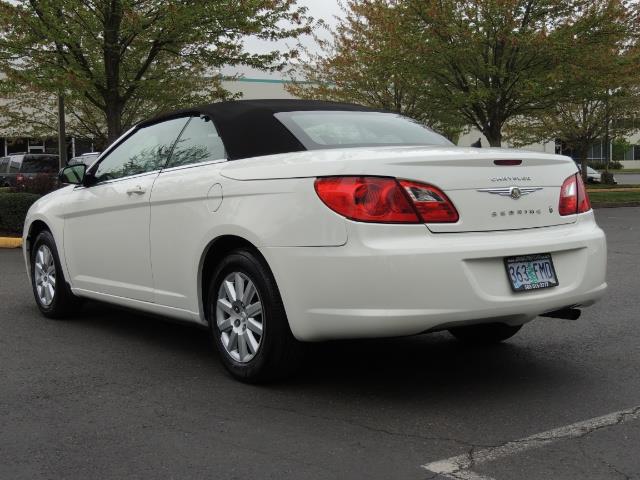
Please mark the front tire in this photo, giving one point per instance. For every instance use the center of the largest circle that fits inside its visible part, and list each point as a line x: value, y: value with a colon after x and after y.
x: 248, y: 322
x: 52, y: 294
x: 485, y: 334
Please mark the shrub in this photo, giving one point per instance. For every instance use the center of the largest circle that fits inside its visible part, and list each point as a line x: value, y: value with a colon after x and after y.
x: 13, y: 210
x: 613, y: 165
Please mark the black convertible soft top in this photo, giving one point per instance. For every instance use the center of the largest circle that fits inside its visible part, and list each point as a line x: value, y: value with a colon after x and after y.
x: 249, y: 128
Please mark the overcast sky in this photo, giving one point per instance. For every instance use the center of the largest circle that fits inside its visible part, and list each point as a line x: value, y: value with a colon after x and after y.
x: 318, y: 9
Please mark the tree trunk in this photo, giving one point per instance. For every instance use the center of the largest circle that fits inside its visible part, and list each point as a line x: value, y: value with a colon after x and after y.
x: 112, y: 60
x: 494, y: 135
x: 495, y: 141
x: 582, y: 154
x: 114, y: 120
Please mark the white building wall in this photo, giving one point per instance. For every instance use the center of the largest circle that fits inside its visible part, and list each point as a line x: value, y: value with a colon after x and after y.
x: 254, y: 88
x: 473, y: 134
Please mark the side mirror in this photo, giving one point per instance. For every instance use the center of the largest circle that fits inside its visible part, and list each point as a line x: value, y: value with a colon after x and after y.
x: 73, y: 174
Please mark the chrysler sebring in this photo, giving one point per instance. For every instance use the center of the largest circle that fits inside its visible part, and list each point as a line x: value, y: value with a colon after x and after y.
x: 276, y: 223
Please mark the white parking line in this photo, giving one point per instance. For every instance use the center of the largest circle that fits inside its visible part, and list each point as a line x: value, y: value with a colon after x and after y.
x: 460, y: 467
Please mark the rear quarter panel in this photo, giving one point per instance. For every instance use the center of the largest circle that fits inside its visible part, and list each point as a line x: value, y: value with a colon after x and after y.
x: 192, y: 207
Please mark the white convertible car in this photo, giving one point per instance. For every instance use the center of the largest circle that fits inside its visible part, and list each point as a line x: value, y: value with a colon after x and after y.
x: 282, y: 222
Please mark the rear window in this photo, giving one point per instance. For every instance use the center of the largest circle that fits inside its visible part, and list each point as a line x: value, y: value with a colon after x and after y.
x: 39, y: 164
x: 336, y: 129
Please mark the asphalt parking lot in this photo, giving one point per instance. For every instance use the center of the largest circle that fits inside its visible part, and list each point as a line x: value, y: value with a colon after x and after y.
x: 628, y: 178
x: 118, y: 395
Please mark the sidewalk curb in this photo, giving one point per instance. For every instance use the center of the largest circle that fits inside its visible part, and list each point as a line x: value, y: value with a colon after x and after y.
x: 10, y: 242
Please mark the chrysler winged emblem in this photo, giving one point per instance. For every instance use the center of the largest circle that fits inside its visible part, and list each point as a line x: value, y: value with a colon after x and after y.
x: 513, y: 192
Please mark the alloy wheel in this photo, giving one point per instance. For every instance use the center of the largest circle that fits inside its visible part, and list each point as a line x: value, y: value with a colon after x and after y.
x: 45, y: 275
x: 239, y: 317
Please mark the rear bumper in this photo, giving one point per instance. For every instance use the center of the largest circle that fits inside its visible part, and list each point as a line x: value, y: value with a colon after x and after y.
x: 393, y: 280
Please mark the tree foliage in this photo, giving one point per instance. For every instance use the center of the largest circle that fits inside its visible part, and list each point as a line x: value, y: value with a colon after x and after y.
x: 480, y: 63
x: 491, y: 60
x: 367, y: 60
x: 117, y: 61
x: 601, y: 94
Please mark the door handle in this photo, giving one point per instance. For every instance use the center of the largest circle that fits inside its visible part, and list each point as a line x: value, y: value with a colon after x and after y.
x: 138, y: 190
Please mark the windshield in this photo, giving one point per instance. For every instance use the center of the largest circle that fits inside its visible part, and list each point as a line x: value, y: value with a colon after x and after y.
x: 337, y: 129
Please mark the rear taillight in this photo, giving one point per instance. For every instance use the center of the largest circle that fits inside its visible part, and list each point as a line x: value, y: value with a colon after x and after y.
x: 366, y: 199
x: 432, y: 204
x: 573, y: 196
x: 19, y: 178
x: 385, y: 200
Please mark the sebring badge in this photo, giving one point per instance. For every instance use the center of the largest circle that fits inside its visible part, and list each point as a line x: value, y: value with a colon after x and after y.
x: 513, y: 192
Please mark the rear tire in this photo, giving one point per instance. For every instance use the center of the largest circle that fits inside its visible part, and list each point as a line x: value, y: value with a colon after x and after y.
x: 50, y: 290
x: 247, y: 320
x: 485, y: 334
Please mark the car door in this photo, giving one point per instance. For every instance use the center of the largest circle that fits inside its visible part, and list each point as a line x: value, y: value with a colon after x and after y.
x: 185, y: 198
x: 106, y: 230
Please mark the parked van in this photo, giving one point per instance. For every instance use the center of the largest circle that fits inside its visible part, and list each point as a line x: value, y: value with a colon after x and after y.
x: 17, y: 170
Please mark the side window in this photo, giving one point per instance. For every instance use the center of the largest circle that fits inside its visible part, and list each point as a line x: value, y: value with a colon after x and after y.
x: 199, y: 142
x: 144, y: 151
x: 14, y: 164
x: 4, y: 163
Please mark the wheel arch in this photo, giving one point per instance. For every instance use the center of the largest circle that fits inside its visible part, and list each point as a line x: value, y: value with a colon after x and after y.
x: 213, y: 253
x: 35, y: 228
x: 39, y: 224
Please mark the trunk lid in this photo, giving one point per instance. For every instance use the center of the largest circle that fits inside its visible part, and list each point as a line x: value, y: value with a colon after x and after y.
x: 488, y: 196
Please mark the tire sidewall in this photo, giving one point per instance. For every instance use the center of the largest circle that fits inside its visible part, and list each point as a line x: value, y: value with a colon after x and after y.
x: 45, y: 238
x: 245, y: 262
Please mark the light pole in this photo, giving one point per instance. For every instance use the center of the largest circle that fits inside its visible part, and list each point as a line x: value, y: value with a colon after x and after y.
x: 62, y: 136
x: 607, y: 140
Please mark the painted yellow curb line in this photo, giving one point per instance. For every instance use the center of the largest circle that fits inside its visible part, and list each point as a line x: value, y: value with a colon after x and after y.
x: 10, y: 242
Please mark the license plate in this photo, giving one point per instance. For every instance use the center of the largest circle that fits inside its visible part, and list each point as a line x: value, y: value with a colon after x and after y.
x: 531, y: 272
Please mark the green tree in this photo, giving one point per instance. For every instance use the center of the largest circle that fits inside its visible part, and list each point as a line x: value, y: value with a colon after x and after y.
x: 492, y: 60
x: 480, y: 63
x: 368, y: 61
x: 118, y: 61
x: 601, y: 84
